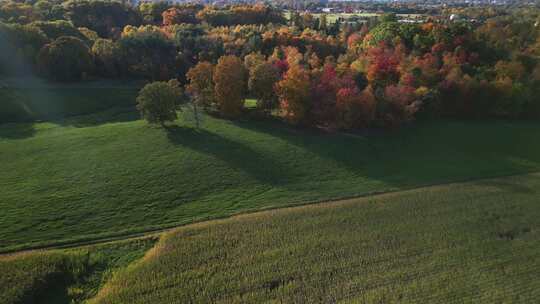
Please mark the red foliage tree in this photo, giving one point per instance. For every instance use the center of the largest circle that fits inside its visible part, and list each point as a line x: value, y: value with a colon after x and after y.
x: 384, y: 65
x: 426, y: 69
x: 355, y: 108
x: 324, y: 95
x: 399, y: 105
x: 281, y: 65
x: 438, y: 48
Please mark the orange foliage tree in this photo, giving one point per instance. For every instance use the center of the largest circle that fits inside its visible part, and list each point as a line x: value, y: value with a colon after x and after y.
x: 294, y: 94
x: 229, y: 85
x: 175, y: 15
x: 201, y: 83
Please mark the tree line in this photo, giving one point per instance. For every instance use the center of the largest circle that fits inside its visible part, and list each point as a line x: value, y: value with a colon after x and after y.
x: 379, y: 73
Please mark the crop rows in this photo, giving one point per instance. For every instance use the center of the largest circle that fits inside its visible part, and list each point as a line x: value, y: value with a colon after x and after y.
x: 436, y: 245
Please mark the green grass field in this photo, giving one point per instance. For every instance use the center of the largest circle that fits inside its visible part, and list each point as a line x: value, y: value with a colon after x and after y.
x: 476, y: 242
x: 65, y: 276
x: 250, y: 103
x: 60, y: 101
x: 108, y: 175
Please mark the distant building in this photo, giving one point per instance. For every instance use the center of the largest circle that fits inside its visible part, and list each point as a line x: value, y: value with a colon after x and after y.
x: 410, y: 21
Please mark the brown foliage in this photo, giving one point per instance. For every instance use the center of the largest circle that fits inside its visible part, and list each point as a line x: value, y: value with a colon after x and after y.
x: 229, y: 85
x: 201, y: 83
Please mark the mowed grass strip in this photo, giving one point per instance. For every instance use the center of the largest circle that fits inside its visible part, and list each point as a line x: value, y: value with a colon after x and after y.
x: 87, y: 177
x: 476, y: 242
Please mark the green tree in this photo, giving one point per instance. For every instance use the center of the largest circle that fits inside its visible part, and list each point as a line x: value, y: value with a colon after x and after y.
x: 388, y: 17
x: 56, y: 29
x: 65, y: 59
x: 15, y: 12
x: 157, y: 102
x: 262, y: 79
x: 104, y: 17
x: 107, y: 57
x: 151, y: 11
x: 323, y: 23
x: 49, y: 10
x: 147, y: 52
x: 384, y: 32
x: 19, y: 45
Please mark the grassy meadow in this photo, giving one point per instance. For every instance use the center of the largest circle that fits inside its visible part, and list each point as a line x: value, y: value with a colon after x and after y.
x: 474, y: 242
x: 47, y: 101
x: 110, y: 174
x: 65, y: 276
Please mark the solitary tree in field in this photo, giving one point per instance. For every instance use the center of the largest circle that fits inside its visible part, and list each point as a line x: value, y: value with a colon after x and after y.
x: 158, y: 101
x: 229, y: 80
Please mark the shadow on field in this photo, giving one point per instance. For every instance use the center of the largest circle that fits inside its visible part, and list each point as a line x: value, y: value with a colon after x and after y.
x: 23, y: 130
x: 17, y: 131
x: 512, y: 186
x: 357, y: 154
x: 78, y: 105
x: 55, y: 293
x: 421, y: 153
x: 235, y: 154
x: 113, y: 115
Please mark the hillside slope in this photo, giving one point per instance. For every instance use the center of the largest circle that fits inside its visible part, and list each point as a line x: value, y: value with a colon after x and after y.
x: 474, y: 242
x: 99, y: 176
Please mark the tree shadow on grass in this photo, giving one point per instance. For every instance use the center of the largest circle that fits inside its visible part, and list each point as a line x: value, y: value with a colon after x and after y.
x: 55, y: 293
x: 517, y: 185
x: 73, y: 106
x: 21, y: 130
x: 112, y: 115
x: 17, y: 130
x: 421, y: 153
x: 237, y: 155
x: 350, y: 151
